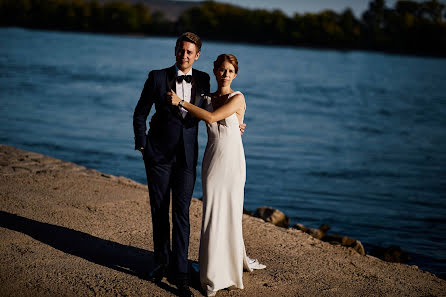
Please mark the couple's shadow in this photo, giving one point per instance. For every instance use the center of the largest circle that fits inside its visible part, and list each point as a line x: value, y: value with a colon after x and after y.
x: 123, y: 258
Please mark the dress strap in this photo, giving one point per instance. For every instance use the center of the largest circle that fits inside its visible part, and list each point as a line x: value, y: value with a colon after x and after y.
x: 235, y: 93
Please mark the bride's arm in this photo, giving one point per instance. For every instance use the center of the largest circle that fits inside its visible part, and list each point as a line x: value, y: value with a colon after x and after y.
x: 221, y: 113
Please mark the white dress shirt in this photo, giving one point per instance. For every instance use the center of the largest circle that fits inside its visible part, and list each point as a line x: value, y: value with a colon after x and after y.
x: 184, y: 89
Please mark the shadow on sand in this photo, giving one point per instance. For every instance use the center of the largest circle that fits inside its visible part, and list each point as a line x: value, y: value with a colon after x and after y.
x: 123, y: 258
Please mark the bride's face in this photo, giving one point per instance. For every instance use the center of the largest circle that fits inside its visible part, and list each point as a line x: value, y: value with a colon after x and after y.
x: 225, y: 74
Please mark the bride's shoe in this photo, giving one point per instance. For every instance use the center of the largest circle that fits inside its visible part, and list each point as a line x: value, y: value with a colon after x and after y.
x: 210, y: 293
x: 254, y: 264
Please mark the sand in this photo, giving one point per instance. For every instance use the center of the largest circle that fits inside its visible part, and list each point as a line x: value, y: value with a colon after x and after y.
x: 71, y: 231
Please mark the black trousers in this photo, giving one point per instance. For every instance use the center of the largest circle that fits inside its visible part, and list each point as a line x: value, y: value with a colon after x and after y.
x: 161, y: 179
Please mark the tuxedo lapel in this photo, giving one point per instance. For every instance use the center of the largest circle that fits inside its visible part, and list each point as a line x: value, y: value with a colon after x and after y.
x: 170, y: 79
x: 194, y: 89
x: 171, y: 85
x: 197, y: 99
x: 195, y: 96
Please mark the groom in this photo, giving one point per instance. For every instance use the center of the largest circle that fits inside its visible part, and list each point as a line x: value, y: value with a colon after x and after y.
x: 170, y: 152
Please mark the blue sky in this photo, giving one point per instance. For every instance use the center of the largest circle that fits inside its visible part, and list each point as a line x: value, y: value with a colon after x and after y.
x: 303, y: 6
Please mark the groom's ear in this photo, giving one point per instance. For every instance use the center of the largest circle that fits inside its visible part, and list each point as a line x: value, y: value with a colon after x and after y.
x: 197, y: 55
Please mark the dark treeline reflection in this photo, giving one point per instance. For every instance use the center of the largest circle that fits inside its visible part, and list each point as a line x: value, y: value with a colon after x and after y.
x: 411, y: 27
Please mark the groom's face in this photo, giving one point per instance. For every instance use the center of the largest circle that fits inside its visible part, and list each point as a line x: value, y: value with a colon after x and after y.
x: 186, y: 54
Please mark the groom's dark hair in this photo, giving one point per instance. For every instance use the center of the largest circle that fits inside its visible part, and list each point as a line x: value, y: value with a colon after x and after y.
x: 190, y: 37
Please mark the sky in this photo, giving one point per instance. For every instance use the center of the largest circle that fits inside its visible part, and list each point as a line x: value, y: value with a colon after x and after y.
x: 302, y: 6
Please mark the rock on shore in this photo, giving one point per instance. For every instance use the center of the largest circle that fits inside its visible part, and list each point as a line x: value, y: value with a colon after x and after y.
x: 71, y: 231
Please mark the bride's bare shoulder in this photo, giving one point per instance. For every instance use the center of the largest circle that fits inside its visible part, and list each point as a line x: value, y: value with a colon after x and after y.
x: 239, y: 97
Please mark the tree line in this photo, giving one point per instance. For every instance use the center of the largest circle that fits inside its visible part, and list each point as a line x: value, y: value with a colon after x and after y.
x: 410, y: 26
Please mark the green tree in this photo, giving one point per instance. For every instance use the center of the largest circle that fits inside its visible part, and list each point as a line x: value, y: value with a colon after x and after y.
x: 433, y: 10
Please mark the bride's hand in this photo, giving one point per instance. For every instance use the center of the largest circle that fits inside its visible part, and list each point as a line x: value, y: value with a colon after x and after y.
x: 242, y: 128
x: 173, y: 98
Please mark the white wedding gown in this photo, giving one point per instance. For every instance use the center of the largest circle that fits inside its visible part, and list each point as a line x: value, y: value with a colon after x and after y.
x: 222, y: 255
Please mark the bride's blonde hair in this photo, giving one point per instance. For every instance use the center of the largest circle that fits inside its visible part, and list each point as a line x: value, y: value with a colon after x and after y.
x: 226, y: 57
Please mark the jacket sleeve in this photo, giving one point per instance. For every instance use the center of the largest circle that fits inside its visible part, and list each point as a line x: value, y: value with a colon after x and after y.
x: 142, y: 111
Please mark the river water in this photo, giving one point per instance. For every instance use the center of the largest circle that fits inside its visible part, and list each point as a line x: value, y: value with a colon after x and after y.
x: 353, y: 139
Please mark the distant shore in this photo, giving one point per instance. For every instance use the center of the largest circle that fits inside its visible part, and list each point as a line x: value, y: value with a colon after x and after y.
x: 414, y: 28
x: 71, y: 231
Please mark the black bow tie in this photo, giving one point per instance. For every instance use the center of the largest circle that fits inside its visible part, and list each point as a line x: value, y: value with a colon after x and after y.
x: 187, y: 78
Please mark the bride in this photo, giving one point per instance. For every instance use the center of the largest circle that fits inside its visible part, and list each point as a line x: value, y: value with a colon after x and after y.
x: 222, y: 255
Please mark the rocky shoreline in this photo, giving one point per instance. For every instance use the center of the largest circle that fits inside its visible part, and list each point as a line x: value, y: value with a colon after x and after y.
x: 278, y: 218
x: 71, y: 231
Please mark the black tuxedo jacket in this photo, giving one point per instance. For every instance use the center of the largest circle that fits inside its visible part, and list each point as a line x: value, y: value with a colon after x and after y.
x: 168, y: 129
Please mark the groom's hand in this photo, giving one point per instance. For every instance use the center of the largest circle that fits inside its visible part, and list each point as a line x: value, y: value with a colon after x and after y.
x: 142, y: 151
x: 242, y: 128
x: 173, y: 98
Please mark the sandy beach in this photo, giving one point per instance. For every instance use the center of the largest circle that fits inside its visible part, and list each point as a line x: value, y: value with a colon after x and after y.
x: 71, y: 231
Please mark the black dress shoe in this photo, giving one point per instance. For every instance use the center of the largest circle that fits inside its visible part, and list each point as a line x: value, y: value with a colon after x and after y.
x: 184, y: 291
x: 158, y: 273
